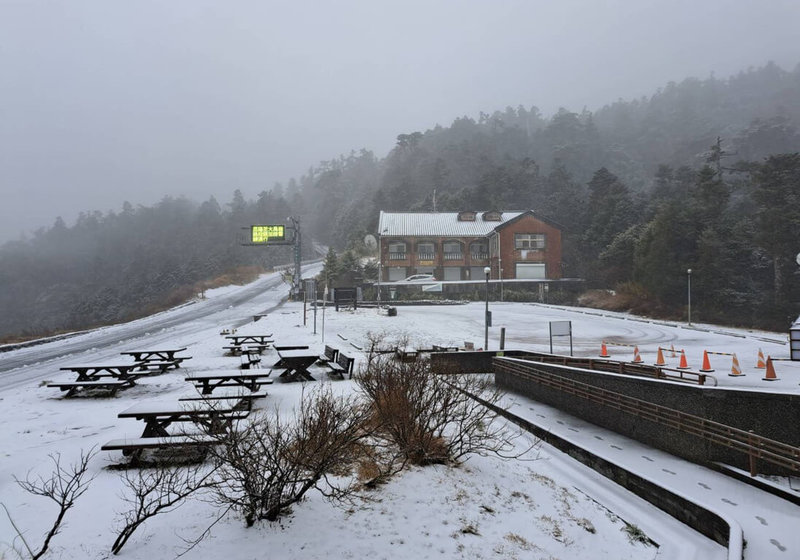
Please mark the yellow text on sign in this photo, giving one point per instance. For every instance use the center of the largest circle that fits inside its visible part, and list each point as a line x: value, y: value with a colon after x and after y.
x: 262, y: 234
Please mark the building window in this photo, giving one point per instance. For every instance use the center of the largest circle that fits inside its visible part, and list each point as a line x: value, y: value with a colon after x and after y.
x: 529, y: 241
x: 426, y: 251
x: 452, y: 251
x: 479, y: 250
x: 397, y: 251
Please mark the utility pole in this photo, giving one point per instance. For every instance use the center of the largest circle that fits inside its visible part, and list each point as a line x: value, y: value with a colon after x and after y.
x: 297, y: 254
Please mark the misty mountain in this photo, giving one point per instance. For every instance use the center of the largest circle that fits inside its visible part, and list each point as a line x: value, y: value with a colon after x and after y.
x: 701, y: 175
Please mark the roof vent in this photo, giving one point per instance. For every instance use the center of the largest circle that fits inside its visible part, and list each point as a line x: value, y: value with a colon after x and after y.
x: 467, y: 216
x: 492, y: 216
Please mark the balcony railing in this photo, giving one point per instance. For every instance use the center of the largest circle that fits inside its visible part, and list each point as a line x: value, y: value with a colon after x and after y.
x: 426, y: 256
x: 479, y: 256
x: 453, y: 256
x: 397, y: 256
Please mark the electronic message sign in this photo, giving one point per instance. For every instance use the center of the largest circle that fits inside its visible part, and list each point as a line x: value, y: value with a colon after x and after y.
x: 265, y: 234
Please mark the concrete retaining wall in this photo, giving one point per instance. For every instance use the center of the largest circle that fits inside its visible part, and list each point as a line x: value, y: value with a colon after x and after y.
x: 771, y: 415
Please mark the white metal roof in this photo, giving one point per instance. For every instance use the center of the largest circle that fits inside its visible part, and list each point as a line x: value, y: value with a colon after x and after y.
x: 438, y: 224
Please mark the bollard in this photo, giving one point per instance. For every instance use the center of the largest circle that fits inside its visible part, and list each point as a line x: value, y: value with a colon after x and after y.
x: 502, y: 338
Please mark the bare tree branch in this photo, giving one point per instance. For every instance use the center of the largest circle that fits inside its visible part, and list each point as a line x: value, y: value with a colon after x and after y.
x: 64, y: 486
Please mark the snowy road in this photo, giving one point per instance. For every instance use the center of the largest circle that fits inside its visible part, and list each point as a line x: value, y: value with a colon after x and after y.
x: 224, y: 310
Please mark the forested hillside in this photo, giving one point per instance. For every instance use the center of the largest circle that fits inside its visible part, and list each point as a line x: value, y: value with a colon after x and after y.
x: 704, y: 174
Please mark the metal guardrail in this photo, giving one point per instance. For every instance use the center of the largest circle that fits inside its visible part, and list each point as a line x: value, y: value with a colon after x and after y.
x: 623, y: 368
x: 749, y: 443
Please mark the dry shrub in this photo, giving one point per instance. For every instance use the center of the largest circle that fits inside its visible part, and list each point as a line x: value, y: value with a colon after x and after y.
x: 431, y: 418
x: 268, y: 463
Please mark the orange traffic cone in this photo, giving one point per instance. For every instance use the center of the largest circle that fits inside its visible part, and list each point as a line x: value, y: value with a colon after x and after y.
x: 683, y: 364
x: 706, y: 363
x: 760, y: 364
x: 636, y: 357
x: 672, y: 349
x: 736, y: 371
x: 660, y: 358
x: 770, y: 375
x: 604, y: 350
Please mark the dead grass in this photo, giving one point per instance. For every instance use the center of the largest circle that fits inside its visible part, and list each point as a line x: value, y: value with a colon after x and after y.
x: 628, y: 297
x: 238, y: 276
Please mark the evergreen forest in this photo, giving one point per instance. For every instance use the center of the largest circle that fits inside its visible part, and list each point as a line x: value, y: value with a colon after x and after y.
x: 703, y: 175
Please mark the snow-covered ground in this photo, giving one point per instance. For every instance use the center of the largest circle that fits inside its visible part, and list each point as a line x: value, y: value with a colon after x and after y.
x: 543, y: 505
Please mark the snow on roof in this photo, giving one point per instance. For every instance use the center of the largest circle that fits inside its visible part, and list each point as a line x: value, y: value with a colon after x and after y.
x: 439, y: 224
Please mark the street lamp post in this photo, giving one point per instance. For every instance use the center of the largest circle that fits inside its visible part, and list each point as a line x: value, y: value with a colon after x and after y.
x: 486, y: 271
x: 689, y: 294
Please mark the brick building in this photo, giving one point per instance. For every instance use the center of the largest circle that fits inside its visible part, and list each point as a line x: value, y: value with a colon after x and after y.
x: 459, y: 245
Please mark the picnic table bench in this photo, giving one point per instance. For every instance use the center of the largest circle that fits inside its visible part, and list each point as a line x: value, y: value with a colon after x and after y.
x: 155, y: 368
x: 238, y: 349
x: 295, y: 363
x: 246, y: 398
x: 106, y: 377
x: 207, y: 382
x: 135, y: 446
x: 342, y: 365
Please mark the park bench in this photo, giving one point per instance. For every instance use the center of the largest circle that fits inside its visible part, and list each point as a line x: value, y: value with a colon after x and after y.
x: 404, y: 355
x: 250, y: 359
x: 343, y: 365
x: 329, y: 356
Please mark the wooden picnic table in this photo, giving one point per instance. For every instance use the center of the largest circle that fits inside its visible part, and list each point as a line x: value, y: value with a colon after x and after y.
x: 167, y: 355
x: 295, y: 364
x: 112, y: 377
x: 158, y: 416
x: 240, y: 339
x: 249, y: 379
x: 283, y: 347
x: 93, y: 372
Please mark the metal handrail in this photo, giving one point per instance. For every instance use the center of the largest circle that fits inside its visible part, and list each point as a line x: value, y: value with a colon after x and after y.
x: 755, y: 446
x: 623, y: 368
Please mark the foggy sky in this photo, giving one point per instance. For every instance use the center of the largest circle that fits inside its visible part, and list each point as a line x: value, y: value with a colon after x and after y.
x: 103, y: 102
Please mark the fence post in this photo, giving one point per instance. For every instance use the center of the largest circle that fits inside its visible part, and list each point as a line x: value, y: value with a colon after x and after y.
x: 751, y: 455
x: 502, y: 338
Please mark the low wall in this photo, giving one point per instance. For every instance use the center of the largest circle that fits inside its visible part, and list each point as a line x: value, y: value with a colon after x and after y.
x: 469, y: 361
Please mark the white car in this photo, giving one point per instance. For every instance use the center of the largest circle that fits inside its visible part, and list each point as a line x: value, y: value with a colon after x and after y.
x: 420, y: 278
